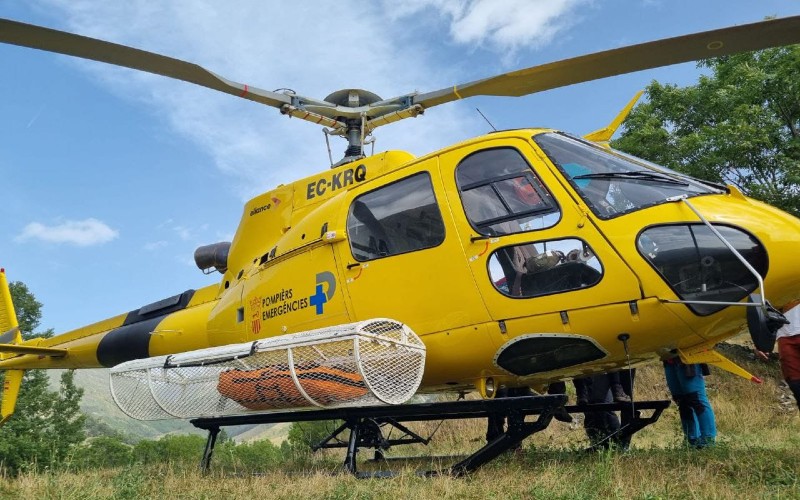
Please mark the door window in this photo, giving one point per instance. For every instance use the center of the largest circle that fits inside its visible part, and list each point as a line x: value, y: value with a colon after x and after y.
x: 502, y: 195
x: 398, y: 218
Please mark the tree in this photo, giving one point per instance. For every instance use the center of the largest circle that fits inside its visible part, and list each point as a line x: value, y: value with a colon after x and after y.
x: 46, y: 425
x: 739, y: 125
x: 28, y: 309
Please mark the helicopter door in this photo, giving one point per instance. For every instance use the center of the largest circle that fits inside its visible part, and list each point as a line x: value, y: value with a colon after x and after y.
x: 531, y: 250
x: 402, y: 259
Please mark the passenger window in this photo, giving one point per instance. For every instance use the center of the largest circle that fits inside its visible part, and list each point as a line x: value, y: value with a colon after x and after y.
x: 399, y: 218
x: 502, y: 195
x: 544, y: 267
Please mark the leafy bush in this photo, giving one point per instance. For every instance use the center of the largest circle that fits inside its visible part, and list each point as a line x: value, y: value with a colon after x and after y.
x: 104, y: 451
x: 250, y: 457
x: 181, y: 449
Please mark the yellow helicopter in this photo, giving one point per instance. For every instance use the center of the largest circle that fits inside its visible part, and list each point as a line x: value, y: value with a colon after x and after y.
x: 518, y: 258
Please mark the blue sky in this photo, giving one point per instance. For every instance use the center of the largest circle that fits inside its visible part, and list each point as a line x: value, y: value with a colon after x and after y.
x: 111, y: 178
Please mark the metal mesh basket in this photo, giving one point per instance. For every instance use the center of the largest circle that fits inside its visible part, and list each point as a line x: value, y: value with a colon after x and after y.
x: 358, y: 364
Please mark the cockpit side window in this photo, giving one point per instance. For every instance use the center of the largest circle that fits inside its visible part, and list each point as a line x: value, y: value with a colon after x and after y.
x: 502, y: 195
x: 397, y: 218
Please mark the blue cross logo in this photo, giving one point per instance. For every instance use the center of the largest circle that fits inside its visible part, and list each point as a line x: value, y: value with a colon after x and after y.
x: 320, y: 297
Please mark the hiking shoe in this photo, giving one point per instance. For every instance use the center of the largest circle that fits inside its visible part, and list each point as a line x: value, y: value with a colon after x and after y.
x: 619, y: 394
x: 562, y: 415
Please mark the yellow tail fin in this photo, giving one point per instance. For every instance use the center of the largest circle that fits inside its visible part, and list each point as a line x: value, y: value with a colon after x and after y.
x: 11, y: 385
x: 9, y: 334
x: 9, y: 328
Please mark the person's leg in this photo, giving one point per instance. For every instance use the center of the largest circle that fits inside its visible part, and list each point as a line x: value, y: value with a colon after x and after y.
x: 617, y: 391
x: 600, y: 425
x: 496, y: 422
x: 626, y: 378
x: 789, y: 351
x: 673, y: 383
x: 700, y: 405
x: 581, y: 390
x: 560, y: 414
x: 794, y: 386
x: 676, y: 377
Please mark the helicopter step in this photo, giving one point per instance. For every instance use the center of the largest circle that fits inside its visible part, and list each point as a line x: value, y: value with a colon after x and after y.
x: 364, y: 426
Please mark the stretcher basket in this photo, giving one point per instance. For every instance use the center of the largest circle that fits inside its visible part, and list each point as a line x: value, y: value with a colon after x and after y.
x: 378, y: 361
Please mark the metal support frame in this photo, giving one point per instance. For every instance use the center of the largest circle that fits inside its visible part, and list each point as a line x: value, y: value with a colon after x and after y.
x: 365, y: 423
x: 633, y: 421
x: 375, y: 438
x: 205, y: 463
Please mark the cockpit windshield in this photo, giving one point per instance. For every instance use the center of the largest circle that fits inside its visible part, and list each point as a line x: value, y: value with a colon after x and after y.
x: 613, y: 183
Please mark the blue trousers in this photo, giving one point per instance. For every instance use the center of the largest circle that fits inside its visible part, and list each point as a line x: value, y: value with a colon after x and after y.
x: 689, y: 392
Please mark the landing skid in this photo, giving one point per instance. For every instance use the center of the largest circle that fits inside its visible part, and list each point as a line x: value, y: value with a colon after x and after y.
x: 364, y: 425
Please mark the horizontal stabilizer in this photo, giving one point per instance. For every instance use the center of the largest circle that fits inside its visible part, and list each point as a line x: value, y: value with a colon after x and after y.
x: 713, y: 357
x: 29, y: 349
x: 10, y: 336
x: 8, y: 317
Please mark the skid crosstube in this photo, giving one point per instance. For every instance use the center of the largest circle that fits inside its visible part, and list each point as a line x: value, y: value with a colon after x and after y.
x: 364, y: 425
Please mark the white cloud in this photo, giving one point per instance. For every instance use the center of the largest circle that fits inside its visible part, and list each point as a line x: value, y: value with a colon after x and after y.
x: 502, y: 25
x: 82, y: 233
x: 283, y: 45
x: 313, y: 47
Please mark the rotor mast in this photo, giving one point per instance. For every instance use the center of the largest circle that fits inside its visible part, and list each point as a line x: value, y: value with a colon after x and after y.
x: 355, y: 128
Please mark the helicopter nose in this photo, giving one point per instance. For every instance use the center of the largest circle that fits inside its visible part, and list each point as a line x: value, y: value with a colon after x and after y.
x: 778, y: 233
x: 697, y: 263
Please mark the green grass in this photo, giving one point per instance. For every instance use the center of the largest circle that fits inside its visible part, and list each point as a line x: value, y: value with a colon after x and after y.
x: 757, y: 456
x: 723, y: 472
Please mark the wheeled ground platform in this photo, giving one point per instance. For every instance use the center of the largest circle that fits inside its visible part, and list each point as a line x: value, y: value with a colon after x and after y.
x: 364, y: 425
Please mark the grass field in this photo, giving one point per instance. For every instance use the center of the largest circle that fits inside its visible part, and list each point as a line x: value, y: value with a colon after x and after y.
x: 757, y: 456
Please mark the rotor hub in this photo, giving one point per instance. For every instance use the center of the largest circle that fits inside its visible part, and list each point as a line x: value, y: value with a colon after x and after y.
x: 353, y: 98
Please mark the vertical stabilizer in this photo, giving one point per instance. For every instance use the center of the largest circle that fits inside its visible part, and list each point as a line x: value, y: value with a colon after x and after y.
x: 9, y: 328
x: 11, y: 385
x: 9, y: 334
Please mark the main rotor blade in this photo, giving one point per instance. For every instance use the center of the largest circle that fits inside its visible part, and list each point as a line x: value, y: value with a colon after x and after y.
x: 725, y: 41
x: 37, y: 37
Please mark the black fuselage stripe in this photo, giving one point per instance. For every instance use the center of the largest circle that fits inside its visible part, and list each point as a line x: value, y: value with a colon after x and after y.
x: 127, y: 343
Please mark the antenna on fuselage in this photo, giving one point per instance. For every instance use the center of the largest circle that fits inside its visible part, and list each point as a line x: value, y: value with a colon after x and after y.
x: 487, y: 120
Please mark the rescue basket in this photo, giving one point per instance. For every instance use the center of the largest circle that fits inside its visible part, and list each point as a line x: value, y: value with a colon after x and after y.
x: 378, y: 361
